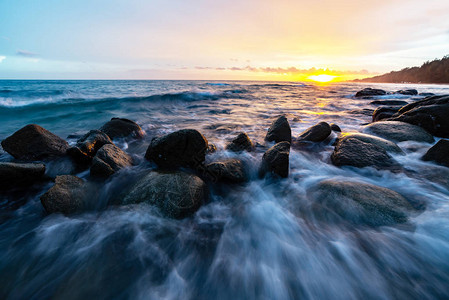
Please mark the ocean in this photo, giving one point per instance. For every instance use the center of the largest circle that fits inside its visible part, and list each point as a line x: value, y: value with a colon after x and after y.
x: 259, y: 240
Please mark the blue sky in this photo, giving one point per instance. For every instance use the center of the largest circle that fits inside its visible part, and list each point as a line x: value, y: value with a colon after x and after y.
x: 198, y: 39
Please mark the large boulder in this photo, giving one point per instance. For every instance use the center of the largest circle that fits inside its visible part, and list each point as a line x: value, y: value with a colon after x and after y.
x: 231, y: 170
x: 316, y: 133
x: 88, y: 145
x: 438, y: 153
x: 183, y: 148
x: 399, y: 131
x: 430, y: 113
x: 279, y: 131
x: 410, y: 92
x: 354, y: 152
x: 20, y: 174
x: 384, y: 112
x: 368, y: 92
x: 176, y: 194
x: 389, y: 102
x: 387, y: 145
x: 276, y: 160
x: 358, y: 203
x: 33, y: 142
x: 119, y: 128
x: 68, y: 195
x: 240, y: 143
x: 109, y: 159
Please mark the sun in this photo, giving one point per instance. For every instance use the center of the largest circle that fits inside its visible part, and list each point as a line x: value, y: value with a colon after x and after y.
x: 322, y: 78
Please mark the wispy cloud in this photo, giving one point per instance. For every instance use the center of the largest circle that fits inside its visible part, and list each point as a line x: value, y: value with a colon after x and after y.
x: 2, y: 58
x: 26, y: 53
x: 288, y: 70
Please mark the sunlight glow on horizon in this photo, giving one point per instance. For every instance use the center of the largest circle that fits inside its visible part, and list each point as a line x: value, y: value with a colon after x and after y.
x: 322, y: 78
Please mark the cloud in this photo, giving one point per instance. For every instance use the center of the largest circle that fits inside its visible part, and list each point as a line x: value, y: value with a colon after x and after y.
x: 2, y: 58
x: 26, y: 53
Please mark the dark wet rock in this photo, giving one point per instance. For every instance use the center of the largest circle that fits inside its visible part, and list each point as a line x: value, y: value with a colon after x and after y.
x: 14, y: 175
x: 276, y: 160
x: 411, y: 92
x: 88, y: 145
x: 182, y: 148
x: 241, y: 142
x: 389, y: 102
x: 399, y: 131
x: 211, y: 148
x: 68, y: 195
x: 426, y: 94
x: 363, y: 111
x: 279, y: 131
x: 119, y: 128
x: 384, y: 112
x: 387, y: 145
x: 109, y: 159
x: 33, y: 142
x: 430, y: 113
x: 335, y: 127
x: 176, y: 194
x: 438, y: 153
x: 368, y: 92
x: 359, y: 203
x: 357, y: 153
x: 231, y: 170
x: 316, y: 133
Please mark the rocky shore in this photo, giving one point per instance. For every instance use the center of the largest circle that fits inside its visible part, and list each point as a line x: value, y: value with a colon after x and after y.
x: 178, y: 177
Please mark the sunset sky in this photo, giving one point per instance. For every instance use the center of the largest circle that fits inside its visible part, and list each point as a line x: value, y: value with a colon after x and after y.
x: 204, y: 39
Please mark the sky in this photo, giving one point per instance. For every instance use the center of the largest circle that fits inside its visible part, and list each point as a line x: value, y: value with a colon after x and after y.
x: 218, y: 39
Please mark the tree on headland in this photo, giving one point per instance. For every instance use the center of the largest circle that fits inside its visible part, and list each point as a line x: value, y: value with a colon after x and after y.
x: 436, y: 71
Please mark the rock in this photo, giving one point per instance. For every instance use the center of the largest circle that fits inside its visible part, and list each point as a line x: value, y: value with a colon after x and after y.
x: 241, y: 143
x: 399, y: 131
x: 231, y: 170
x: 118, y: 128
x: 279, y: 131
x: 359, y: 203
x: 316, y: 133
x: 33, y: 142
x: 68, y: 195
x: 88, y: 145
x: 335, y: 127
x: 389, y: 102
x: 109, y: 159
x: 426, y: 94
x: 183, y: 148
x: 211, y: 148
x: 276, y: 160
x: 368, y: 92
x: 438, y: 153
x: 176, y: 194
x: 357, y: 153
x: 19, y: 174
x: 411, y: 92
x: 430, y: 113
x: 387, y: 145
x: 384, y: 112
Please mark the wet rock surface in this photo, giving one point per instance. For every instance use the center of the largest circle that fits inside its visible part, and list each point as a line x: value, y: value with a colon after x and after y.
x: 120, y: 128
x: 368, y: 92
x: 438, y: 153
x: 316, y: 133
x: 399, y: 131
x: 88, y: 145
x: 13, y: 175
x: 240, y: 143
x: 276, y: 160
x: 231, y: 171
x: 279, y: 131
x: 109, y: 159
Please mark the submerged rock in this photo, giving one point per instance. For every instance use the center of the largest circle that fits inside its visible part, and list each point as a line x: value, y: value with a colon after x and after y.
x: 14, y: 175
x: 33, y: 142
x: 109, y: 159
x: 279, y: 131
x: 354, y: 152
x: 183, y: 148
x: 240, y: 143
x: 88, y: 145
x: 438, y: 153
x: 368, y: 92
x: 316, y: 133
x: 384, y: 112
x: 389, y: 102
x: 176, y: 194
x: 411, y: 92
x: 118, y: 128
x: 231, y: 170
x: 359, y: 203
x: 399, y: 131
x: 335, y: 127
x: 68, y: 195
x: 430, y: 113
x: 387, y: 145
x: 276, y: 160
